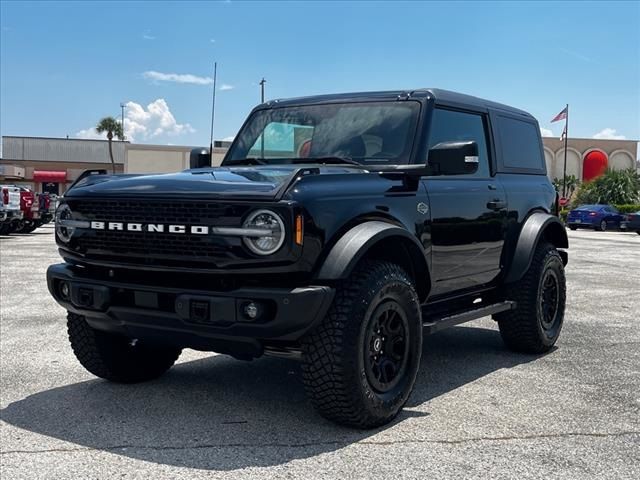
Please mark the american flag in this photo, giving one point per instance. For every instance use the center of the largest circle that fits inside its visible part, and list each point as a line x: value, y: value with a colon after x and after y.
x: 561, y: 116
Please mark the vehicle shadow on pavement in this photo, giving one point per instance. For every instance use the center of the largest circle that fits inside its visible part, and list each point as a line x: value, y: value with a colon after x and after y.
x: 203, y: 412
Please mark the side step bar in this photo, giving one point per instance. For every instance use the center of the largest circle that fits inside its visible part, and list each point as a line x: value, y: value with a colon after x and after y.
x: 435, y: 325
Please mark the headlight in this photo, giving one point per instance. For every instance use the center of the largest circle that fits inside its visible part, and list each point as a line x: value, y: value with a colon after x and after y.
x: 64, y: 231
x: 273, y: 227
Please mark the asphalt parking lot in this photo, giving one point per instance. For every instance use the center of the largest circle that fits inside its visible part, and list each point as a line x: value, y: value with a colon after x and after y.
x: 478, y: 411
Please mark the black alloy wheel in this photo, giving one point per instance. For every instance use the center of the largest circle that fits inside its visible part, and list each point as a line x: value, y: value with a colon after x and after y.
x: 385, y: 359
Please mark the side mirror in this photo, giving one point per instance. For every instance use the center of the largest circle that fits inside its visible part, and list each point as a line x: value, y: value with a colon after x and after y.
x: 453, y: 158
x: 199, y: 158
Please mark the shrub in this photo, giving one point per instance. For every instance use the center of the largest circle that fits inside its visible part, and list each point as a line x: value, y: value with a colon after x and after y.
x: 563, y: 215
x: 628, y: 208
x: 614, y: 187
x: 572, y: 184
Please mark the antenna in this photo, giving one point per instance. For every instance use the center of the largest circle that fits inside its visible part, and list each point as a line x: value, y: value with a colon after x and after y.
x: 213, y: 110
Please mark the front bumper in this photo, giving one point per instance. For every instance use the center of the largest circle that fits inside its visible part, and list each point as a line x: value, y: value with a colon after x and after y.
x: 199, y: 319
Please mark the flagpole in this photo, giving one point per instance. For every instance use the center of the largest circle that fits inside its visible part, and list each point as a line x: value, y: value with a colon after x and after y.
x: 566, y: 140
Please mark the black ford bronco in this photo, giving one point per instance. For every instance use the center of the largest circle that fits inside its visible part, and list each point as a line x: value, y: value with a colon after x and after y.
x: 338, y: 230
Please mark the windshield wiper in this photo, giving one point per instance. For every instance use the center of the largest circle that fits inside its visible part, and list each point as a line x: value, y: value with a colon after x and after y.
x: 329, y: 159
x: 245, y: 161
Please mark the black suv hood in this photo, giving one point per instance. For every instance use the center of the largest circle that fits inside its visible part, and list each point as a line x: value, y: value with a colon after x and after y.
x: 263, y: 181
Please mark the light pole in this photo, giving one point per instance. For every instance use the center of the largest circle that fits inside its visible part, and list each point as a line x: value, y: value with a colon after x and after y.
x: 122, y: 107
x: 262, y: 82
x: 213, y: 111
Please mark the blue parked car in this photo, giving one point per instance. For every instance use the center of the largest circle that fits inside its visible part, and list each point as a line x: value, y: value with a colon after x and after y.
x: 598, y: 217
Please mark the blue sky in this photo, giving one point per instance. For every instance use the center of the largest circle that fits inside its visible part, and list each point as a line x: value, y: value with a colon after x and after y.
x: 64, y: 65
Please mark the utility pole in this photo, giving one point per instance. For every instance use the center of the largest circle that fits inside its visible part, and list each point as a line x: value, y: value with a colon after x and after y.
x: 122, y: 107
x: 213, y: 110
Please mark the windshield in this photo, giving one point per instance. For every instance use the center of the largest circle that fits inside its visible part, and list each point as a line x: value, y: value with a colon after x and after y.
x: 369, y: 133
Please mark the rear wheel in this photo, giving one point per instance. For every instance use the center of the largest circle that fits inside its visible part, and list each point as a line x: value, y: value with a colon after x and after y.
x: 573, y: 227
x: 115, y: 357
x: 5, y: 229
x: 534, y: 326
x: 360, y: 365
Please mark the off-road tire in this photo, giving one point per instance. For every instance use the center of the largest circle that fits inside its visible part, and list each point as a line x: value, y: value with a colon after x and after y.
x: 523, y: 329
x: 113, y: 357
x: 5, y: 229
x: 335, y: 371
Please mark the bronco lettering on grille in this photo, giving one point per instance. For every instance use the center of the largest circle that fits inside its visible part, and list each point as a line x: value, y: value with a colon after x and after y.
x: 150, y: 227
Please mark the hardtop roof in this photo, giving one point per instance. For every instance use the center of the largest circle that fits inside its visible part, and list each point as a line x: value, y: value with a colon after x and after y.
x: 437, y: 94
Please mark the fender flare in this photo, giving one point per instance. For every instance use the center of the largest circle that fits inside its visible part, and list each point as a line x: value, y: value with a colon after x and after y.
x: 356, y: 242
x: 536, y: 226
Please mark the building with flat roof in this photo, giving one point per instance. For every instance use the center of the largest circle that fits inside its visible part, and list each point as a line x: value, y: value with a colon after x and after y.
x: 587, y: 157
x: 52, y: 164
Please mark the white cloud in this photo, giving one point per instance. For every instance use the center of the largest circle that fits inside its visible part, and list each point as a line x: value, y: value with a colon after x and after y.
x: 545, y: 132
x: 177, y: 78
x: 146, y: 36
x: 145, y: 123
x: 91, y: 134
x: 212, y: 40
x: 608, y: 134
x: 226, y: 86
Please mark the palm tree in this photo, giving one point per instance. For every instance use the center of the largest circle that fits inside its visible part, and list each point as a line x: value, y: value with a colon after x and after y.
x: 113, y: 129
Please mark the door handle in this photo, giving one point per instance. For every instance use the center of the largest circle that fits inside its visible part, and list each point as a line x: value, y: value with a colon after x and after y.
x: 492, y: 186
x: 496, y: 205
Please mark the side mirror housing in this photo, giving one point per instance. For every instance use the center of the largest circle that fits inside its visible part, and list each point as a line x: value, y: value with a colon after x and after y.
x: 199, y: 157
x: 453, y: 158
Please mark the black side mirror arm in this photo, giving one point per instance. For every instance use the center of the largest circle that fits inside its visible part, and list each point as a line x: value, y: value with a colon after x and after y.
x: 409, y: 174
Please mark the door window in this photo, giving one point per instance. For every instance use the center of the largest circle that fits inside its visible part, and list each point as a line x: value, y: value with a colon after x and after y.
x: 451, y: 126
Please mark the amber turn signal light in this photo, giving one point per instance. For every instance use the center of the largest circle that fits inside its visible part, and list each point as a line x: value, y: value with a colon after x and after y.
x: 299, y: 231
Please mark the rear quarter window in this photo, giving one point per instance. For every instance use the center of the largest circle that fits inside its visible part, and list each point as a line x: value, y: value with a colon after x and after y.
x: 520, y: 146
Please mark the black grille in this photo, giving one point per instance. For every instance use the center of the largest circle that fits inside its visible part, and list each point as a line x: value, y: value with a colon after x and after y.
x: 154, y: 248
x: 149, y: 211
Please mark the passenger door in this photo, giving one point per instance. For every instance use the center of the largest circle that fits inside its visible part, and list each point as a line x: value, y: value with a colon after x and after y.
x: 468, y: 212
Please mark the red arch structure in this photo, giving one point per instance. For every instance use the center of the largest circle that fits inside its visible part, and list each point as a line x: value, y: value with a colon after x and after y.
x: 594, y: 164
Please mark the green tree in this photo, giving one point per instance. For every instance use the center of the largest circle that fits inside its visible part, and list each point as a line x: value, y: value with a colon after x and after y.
x: 614, y: 187
x: 113, y: 129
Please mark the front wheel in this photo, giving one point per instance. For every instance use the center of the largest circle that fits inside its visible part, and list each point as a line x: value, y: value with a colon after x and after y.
x: 602, y: 226
x: 359, y: 366
x: 115, y: 357
x: 540, y: 295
